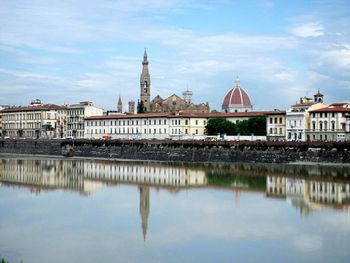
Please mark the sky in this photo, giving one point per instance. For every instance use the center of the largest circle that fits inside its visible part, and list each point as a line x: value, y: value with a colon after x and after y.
x: 66, y: 51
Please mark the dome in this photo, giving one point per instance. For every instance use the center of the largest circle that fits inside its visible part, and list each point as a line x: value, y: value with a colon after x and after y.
x: 237, y: 100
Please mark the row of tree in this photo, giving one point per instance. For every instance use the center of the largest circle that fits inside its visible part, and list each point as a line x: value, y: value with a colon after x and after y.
x: 255, y: 125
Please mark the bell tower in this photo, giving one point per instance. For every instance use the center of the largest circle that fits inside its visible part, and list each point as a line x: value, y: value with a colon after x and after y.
x: 145, y: 85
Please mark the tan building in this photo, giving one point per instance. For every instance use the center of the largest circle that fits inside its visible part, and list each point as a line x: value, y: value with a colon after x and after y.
x: 170, y: 104
x: 34, y: 121
x: 330, y: 123
x: 76, y: 114
x: 276, y: 125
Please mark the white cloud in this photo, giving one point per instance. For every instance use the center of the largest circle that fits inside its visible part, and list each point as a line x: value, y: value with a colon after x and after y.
x: 311, y: 29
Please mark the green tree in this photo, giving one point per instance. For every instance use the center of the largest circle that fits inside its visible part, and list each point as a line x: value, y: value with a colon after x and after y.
x: 214, y: 111
x: 220, y: 125
x: 140, y: 107
x: 255, y: 125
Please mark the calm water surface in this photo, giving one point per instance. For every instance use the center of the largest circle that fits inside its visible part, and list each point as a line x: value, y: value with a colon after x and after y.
x: 71, y: 210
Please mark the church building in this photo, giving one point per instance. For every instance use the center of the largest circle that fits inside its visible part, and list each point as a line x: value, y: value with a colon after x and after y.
x: 237, y: 99
x: 169, y: 104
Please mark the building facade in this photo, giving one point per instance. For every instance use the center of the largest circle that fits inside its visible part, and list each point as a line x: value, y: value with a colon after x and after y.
x: 298, y: 117
x: 34, y: 121
x: 276, y: 125
x: 145, y: 126
x: 330, y: 123
x: 181, y: 125
x: 75, y: 117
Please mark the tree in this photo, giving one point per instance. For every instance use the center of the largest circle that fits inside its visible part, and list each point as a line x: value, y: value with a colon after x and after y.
x: 214, y: 111
x: 219, y: 125
x: 255, y: 125
x: 140, y: 107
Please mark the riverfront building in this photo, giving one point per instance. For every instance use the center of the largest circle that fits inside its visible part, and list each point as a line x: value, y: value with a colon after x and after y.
x: 76, y: 114
x: 34, y: 121
x: 330, y: 123
x: 180, y: 125
x: 276, y: 125
x: 298, y: 117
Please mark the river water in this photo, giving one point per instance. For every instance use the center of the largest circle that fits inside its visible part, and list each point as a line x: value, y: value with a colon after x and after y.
x: 75, y: 210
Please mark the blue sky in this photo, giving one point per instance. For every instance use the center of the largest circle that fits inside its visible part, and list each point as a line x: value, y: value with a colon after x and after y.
x: 75, y: 50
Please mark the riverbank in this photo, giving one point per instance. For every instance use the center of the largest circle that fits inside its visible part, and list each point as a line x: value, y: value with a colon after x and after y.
x: 186, y: 151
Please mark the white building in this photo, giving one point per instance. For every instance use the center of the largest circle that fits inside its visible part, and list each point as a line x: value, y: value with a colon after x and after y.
x: 76, y: 114
x: 146, y: 126
x: 297, y: 117
x: 180, y: 125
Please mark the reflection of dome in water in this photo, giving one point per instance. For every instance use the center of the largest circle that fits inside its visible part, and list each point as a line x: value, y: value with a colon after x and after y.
x: 237, y: 100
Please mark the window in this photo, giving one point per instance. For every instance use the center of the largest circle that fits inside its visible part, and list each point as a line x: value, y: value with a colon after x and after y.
x: 196, y: 122
x: 270, y: 120
x: 275, y: 119
x: 271, y: 131
x: 281, y: 130
x: 196, y: 131
x: 186, y: 122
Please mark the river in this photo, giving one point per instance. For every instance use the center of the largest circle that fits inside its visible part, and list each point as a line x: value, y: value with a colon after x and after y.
x: 77, y: 210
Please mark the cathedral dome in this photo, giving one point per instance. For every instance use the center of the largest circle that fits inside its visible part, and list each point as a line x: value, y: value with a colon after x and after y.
x: 237, y: 100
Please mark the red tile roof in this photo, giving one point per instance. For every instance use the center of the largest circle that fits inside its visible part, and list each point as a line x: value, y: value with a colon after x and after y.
x: 335, y: 107
x: 185, y: 114
x: 34, y: 108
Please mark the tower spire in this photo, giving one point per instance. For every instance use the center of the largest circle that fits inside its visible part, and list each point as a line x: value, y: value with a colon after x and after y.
x: 145, y: 85
x: 120, y: 105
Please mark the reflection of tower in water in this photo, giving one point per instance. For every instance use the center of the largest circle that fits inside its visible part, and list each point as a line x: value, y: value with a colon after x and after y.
x: 144, y: 208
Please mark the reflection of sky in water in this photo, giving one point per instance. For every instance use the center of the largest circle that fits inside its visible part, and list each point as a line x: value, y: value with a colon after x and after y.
x: 191, y: 225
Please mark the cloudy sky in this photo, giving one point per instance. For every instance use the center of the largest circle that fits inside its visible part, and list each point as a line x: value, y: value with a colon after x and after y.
x: 74, y: 50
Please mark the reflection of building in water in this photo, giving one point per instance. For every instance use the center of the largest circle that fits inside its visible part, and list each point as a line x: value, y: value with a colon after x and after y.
x: 153, y: 174
x: 47, y: 174
x: 144, y: 208
x: 88, y: 176
x: 308, y: 195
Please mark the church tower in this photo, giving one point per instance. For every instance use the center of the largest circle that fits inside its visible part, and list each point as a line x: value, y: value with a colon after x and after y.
x: 120, y: 105
x: 145, y: 85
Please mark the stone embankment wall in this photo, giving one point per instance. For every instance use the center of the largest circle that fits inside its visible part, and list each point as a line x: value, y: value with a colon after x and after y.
x: 186, y: 151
